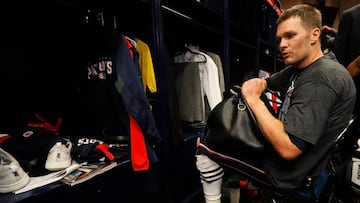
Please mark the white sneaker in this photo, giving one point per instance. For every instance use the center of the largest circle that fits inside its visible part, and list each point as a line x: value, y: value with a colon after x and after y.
x: 59, y: 157
x: 12, y: 176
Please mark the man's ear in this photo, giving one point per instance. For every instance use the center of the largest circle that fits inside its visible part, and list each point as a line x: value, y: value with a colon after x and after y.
x: 315, y: 35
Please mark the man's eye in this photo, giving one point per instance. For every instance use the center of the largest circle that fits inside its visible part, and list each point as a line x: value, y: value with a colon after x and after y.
x: 289, y: 36
x: 278, y: 40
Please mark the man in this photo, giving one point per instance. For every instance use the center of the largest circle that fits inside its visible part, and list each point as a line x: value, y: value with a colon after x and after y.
x: 347, y: 41
x: 347, y: 46
x: 347, y: 51
x: 319, y: 100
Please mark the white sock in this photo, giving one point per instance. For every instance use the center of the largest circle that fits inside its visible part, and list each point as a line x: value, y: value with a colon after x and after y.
x: 211, y: 178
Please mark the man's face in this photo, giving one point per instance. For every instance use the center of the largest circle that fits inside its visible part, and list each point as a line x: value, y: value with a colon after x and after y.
x: 293, y: 42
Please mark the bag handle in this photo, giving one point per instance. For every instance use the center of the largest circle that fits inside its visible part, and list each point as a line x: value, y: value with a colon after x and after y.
x: 240, y: 101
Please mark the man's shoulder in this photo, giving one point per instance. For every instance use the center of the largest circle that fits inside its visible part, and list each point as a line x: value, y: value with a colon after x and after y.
x: 329, y: 61
x: 331, y: 55
x: 352, y: 10
x: 327, y: 69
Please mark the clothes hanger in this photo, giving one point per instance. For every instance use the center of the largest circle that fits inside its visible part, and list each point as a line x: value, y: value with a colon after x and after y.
x: 188, y: 48
x: 195, y: 50
x: 133, y: 42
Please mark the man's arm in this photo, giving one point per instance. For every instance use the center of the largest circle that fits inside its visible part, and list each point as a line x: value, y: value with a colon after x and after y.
x: 354, y: 67
x: 272, y: 128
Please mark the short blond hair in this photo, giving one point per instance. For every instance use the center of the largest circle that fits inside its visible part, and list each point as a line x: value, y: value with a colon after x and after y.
x: 310, y: 16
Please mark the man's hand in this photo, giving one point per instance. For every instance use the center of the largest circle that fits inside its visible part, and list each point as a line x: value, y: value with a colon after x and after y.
x: 253, y: 88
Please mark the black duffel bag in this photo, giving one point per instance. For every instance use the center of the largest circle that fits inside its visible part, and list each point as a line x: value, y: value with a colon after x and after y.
x: 231, y: 127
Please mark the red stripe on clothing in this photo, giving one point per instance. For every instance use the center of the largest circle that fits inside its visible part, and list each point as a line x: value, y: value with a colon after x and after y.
x: 138, y: 152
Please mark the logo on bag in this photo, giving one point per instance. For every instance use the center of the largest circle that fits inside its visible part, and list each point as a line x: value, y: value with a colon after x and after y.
x: 28, y: 133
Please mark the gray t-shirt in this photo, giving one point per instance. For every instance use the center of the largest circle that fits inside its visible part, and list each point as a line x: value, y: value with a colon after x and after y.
x: 321, y: 101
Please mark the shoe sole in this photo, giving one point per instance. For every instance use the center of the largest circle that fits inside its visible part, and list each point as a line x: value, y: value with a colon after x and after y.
x: 57, y: 165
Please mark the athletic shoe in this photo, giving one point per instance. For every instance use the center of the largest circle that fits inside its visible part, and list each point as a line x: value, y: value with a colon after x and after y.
x: 59, y: 156
x: 12, y: 176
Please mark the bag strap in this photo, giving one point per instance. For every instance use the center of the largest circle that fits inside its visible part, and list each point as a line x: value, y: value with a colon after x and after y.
x: 236, y: 90
x: 240, y: 101
x: 251, y: 114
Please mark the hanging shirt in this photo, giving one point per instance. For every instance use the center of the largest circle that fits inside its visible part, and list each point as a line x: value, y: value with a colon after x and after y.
x: 129, y: 85
x: 146, y: 66
x: 207, y: 74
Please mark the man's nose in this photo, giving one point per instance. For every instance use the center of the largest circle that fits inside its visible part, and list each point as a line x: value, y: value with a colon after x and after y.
x: 282, y: 43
